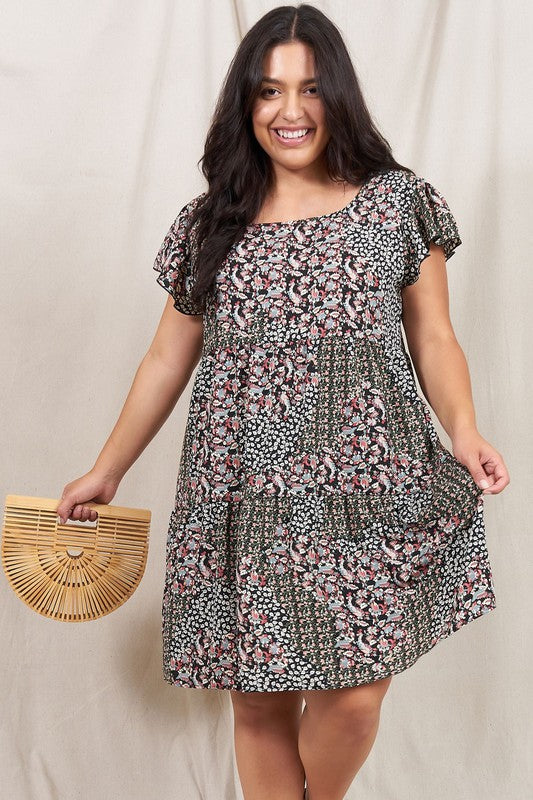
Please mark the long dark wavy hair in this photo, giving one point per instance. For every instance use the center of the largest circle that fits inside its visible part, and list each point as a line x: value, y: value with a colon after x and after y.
x: 238, y: 171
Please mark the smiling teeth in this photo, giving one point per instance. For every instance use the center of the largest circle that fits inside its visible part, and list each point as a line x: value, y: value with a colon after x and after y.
x: 292, y: 134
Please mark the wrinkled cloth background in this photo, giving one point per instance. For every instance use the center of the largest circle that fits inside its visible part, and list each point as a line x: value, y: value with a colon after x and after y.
x: 105, y: 110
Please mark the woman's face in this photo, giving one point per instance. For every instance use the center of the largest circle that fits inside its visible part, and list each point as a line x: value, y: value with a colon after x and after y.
x: 289, y: 102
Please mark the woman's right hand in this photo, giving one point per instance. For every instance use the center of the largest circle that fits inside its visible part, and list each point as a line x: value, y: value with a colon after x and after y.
x: 93, y: 487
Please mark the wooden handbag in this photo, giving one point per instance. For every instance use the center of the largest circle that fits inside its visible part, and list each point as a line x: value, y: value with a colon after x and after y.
x: 73, y: 572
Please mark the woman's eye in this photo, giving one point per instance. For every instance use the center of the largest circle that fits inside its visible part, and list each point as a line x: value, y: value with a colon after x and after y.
x: 264, y: 93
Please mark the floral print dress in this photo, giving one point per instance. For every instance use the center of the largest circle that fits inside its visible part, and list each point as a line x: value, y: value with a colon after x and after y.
x: 322, y: 536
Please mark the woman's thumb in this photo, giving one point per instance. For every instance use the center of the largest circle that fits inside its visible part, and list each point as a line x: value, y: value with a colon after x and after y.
x: 480, y: 478
x: 64, y: 508
x: 68, y: 502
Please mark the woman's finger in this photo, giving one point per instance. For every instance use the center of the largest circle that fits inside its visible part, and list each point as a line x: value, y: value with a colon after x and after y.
x: 85, y: 513
x: 500, y: 478
x: 77, y: 512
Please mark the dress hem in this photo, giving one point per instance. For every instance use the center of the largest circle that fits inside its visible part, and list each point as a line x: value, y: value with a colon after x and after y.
x: 167, y: 674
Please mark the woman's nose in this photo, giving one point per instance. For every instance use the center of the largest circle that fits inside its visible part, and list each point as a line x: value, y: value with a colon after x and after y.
x: 292, y: 107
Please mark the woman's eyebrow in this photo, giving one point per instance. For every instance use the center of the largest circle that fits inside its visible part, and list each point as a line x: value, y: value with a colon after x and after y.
x: 266, y: 79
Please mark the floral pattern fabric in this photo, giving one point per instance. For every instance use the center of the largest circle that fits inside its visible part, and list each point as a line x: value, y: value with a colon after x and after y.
x: 322, y: 535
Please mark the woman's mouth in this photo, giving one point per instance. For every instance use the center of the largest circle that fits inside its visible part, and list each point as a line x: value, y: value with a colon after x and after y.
x: 293, y: 138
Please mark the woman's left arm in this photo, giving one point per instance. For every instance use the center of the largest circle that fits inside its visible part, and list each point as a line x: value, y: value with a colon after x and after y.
x: 443, y: 374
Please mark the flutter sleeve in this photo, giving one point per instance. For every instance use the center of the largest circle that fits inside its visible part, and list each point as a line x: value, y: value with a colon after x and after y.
x: 174, y: 263
x: 428, y: 219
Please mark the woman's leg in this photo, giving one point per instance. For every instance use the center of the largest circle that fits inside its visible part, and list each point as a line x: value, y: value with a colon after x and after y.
x: 266, y: 744
x: 337, y: 730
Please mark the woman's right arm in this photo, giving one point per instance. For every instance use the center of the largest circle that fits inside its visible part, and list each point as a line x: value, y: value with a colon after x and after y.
x: 159, y: 381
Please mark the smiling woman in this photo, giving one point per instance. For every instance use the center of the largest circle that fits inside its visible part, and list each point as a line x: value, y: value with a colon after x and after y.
x: 315, y: 500
x: 323, y: 538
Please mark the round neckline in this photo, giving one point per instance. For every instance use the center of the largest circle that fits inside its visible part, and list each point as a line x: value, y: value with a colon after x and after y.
x: 318, y: 216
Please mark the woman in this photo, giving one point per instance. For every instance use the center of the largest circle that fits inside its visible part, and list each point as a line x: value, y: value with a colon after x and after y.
x: 322, y: 537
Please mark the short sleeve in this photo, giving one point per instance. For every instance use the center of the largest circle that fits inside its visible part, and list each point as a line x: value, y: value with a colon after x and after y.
x: 174, y: 263
x: 427, y: 219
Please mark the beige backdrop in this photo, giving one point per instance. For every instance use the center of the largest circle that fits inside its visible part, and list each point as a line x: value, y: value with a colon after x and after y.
x: 107, y: 105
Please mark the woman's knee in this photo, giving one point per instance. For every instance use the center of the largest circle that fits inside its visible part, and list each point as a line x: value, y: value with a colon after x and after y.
x: 258, y: 707
x: 355, y: 710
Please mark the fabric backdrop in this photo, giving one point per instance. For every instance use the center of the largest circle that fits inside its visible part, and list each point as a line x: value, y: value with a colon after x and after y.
x: 105, y: 109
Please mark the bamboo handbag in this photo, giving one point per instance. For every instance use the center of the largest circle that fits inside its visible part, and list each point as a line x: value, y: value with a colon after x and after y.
x: 73, y: 572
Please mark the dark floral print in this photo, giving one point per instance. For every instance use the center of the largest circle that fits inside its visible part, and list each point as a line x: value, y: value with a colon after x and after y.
x: 322, y: 535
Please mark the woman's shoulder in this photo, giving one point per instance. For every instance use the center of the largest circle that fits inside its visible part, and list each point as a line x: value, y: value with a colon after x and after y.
x: 408, y: 190
x: 401, y: 180
x: 181, y: 223
x: 191, y: 205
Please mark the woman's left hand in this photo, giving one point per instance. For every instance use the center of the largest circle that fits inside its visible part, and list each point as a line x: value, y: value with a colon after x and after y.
x: 484, y: 462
